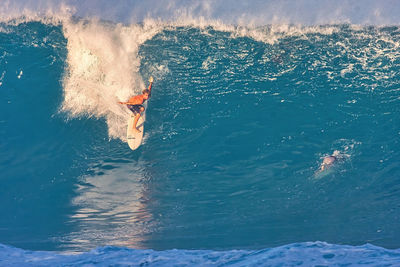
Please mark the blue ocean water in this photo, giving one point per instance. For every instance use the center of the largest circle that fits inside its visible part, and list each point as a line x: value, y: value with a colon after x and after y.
x: 236, y: 129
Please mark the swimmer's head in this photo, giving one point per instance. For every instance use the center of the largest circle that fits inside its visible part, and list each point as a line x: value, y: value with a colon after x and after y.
x: 329, y: 160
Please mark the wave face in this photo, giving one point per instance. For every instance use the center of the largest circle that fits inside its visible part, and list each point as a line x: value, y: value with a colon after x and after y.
x: 236, y: 129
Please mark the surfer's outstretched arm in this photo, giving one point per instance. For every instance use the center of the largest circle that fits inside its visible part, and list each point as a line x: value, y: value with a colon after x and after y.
x: 151, y: 83
x: 139, y: 99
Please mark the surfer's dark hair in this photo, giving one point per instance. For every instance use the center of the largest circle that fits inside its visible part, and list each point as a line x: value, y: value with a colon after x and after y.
x: 146, y: 91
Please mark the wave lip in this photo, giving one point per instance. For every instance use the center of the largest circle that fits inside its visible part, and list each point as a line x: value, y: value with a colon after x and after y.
x: 299, y: 254
x: 306, y: 12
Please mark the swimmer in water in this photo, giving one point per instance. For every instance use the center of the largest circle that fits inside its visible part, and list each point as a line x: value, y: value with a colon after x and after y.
x: 327, y: 162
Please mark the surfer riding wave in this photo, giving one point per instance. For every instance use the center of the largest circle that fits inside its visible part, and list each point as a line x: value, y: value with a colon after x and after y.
x: 135, y: 104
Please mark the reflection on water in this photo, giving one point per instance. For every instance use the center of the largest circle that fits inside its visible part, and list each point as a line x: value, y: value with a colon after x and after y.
x: 111, y: 206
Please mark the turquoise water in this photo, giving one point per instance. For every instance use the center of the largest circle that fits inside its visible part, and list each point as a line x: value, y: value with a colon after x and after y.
x: 236, y: 129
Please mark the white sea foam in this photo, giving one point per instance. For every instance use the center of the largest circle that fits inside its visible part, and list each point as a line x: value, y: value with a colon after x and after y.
x: 20, y: 74
x: 102, y: 63
x: 103, y: 68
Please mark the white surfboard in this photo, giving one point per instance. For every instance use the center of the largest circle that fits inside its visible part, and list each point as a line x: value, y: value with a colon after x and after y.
x: 134, y: 138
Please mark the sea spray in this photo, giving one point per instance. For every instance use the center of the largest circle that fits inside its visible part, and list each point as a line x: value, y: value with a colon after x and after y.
x: 103, y: 68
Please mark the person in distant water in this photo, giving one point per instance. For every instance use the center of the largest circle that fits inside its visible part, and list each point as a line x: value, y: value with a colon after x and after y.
x: 135, y: 104
x: 327, y: 162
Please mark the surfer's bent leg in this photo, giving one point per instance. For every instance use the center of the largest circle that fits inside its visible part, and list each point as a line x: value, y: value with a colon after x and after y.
x: 139, y: 111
